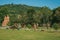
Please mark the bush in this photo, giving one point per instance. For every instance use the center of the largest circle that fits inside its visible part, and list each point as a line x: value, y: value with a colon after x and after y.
x: 56, y: 26
x: 29, y: 26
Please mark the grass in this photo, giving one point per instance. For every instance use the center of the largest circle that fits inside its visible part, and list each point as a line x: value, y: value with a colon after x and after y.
x: 28, y: 35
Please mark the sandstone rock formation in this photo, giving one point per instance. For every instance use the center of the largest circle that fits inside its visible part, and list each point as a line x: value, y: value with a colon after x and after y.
x: 5, y: 21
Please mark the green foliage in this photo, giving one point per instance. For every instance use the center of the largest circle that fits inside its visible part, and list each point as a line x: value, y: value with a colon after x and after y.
x: 29, y: 26
x: 56, y: 26
x: 56, y: 16
x: 28, y: 14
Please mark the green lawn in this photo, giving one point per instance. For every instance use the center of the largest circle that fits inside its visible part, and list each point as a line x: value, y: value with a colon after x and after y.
x: 28, y: 35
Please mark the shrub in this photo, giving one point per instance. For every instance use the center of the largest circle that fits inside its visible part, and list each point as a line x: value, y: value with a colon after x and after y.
x: 56, y: 26
x: 29, y: 26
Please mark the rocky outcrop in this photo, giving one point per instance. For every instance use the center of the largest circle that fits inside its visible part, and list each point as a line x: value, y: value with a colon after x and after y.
x: 5, y: 21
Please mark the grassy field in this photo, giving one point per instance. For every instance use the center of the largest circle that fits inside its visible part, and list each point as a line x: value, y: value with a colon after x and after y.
x: 28, y: 35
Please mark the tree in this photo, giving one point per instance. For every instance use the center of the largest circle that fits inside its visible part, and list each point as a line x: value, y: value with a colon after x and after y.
x: 56, y: 16
x: 31, y: 20
x: 46, y: 13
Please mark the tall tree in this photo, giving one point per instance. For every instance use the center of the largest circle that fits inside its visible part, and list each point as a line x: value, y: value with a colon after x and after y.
x: 46, y: 13
x: 56, y: 16
x: 31, y: 20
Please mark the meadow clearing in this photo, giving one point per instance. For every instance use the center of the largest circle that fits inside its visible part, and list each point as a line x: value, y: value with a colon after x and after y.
x: 8, y: 34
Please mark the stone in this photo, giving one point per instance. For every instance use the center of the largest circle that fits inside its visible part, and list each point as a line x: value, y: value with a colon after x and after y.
x: 5, y: 21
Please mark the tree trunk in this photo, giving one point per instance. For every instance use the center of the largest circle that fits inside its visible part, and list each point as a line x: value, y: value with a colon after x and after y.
x: 23, y: 25
x: 35, y: 26
x: 48, y: 25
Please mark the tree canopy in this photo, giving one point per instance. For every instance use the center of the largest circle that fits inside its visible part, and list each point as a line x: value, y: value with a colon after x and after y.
x: 28, y: 14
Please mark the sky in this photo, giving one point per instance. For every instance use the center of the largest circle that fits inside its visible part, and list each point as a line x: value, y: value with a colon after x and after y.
x: 38, y: 3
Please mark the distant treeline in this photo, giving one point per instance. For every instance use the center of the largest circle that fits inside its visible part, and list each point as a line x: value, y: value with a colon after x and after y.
x: 29, y: 15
